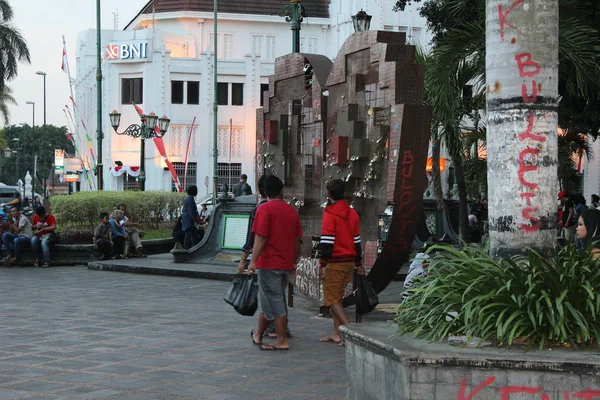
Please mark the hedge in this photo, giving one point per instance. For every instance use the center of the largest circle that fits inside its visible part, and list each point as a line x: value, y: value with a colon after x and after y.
x: 83, y: 208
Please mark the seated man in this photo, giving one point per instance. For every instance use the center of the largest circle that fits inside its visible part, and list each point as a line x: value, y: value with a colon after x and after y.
x: 44, y: 226
x: 103, y: 237
x: 119, y: 236
x: 134, y: 234
x: 19, y: 235
x: 204, y: 215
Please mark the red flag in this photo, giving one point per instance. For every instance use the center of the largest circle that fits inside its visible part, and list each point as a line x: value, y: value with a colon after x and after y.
x: 187, y: 152
x: 65, y: 61
x: 160, y: 146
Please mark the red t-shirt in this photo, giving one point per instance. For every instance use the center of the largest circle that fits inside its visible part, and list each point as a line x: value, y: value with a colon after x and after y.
x: 50, y: 220
x: 280, y: 224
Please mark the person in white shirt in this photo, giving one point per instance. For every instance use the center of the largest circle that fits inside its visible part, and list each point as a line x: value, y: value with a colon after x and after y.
x: 133, y: 233
x: 19, y: 235
x: 417, y: 269
x: 204, y: 215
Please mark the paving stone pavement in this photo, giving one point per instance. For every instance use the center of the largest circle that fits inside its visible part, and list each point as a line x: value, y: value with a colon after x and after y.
x: 71, y: 333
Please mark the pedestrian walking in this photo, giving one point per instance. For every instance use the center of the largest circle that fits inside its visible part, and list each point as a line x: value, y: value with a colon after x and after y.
x: 568, y: 220
x: 341, y: 254
x: 275, y: 253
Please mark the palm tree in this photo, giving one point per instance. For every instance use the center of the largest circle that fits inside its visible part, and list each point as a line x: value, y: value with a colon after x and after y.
x: 6, y: 98
x: 13, y: 47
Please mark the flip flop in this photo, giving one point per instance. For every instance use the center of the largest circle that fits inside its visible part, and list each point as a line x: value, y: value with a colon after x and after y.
x: 329, y: 339
x: 270, y: 347
x: 342, y: 344
x: 252, y: 337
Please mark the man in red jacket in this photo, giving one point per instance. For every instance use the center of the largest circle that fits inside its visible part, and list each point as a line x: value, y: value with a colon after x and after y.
x: 341, y: 253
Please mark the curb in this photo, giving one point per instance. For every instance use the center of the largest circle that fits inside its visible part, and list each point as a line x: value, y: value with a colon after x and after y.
x: 183, y: 273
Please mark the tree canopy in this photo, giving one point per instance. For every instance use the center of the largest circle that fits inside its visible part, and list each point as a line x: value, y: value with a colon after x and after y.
x: 40, y: 141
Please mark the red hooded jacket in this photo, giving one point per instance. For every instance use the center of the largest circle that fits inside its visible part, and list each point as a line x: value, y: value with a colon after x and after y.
x: 340, y: 234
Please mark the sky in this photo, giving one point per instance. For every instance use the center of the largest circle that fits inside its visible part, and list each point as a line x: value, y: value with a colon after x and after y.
x: 43, y: 23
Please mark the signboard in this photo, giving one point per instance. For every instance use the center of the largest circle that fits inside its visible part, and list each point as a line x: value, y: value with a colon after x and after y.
x: 128, y: 51
x: 71, y: 177
x: 59, y: 162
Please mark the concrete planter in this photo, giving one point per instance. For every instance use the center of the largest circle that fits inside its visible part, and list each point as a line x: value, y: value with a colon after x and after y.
x: 381, y: 365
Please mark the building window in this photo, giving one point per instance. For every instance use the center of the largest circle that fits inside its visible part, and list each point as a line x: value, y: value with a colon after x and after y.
x: 223, y: 94
x: 388, y: 28
x: 257, y: 45
x: 193, y: 92
x: 270, y: 48
x: 229, y: 174
x: 130, y: 182
x: 237, y: 94
x: 228, y: 46
x: 416, y: 36
x: 190, y: 179
x: 176, y: 92
x: 132, y: 90
x: 264, y: 87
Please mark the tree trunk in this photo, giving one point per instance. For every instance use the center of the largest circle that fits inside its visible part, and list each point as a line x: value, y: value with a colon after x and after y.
x: 522, y: 103
x: 463, y: 204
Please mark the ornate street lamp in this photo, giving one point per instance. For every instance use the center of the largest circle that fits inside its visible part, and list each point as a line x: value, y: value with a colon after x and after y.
x: 144, y: 131
x: 294, y: 13
x: 361, y: 21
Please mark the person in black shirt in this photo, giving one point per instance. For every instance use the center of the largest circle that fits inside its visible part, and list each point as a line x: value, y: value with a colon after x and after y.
x: 247, y: 248
x: 242, y: 188
x: 568, y: 216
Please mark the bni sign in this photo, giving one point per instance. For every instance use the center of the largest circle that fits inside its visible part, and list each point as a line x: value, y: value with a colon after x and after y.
x: 130, y: 51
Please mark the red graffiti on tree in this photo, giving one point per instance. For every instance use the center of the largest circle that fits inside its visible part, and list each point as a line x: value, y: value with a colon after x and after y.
x: 504, y: 392
x: 503, y: 17
x: 528, y: 161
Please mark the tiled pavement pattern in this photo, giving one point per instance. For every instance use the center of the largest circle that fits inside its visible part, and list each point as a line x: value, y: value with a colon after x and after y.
x: 71, y: 333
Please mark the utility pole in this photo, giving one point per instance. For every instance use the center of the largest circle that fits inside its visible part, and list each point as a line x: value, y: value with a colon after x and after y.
x: 99, y: 134
x: 215, y: 106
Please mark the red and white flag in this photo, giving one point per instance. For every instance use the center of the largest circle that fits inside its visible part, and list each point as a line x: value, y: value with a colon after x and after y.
x: 65, y: 62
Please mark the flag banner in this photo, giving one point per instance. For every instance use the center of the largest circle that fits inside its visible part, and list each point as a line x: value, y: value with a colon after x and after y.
x: 160, y: 146
x: 65, y: 61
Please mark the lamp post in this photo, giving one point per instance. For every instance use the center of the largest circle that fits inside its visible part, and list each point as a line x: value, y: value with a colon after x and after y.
x: 42, y: 73
x: 215, y: 106
x: 294, y: 13
x: 17, y: 140
x: 99, y: 134
x: 361, y: 21
x: 33, y: 105
x: 147, y: 130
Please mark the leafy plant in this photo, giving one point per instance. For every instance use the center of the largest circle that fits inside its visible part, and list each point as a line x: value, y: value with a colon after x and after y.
x: 526, y: 299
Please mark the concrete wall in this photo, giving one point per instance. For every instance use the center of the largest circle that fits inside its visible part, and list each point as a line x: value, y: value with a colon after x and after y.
x: 381, y: 365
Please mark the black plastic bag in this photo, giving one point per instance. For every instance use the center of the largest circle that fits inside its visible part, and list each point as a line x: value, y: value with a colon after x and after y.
x: 246, y: 302
x: 366, y: 296
x: 234, y: 289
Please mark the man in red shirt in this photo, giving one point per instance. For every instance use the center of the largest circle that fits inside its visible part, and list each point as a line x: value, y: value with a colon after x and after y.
x: 43, y: 226
x: 275, y: 253
x: 341, y: 253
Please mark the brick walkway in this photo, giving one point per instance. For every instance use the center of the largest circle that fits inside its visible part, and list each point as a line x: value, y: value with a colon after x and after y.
x: 71, y: 333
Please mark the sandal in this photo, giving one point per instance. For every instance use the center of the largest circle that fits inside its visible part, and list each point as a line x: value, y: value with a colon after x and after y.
x: 270, y: 347
x: 329, y: 339
x: 36, y: 263
x: 252, y: 337
x: 46, y: 265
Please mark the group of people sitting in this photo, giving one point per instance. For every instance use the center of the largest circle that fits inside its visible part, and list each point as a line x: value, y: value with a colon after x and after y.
x: 39, y: 234
x: 117, y: 235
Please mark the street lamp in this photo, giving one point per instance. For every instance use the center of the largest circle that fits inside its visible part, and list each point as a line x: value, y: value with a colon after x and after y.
x: 33, y: 104
x: 42, y: 73
x: 361, y: 21
x: 294, y: 13
x: 17, y: 140
x: 147, y: 130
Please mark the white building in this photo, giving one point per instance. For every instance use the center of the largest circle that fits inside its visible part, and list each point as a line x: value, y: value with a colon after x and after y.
x: 163, y: 62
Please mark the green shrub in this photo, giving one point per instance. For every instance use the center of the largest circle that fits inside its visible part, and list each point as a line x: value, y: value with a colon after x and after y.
x: 535, y: 300
x: 82, y: 209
